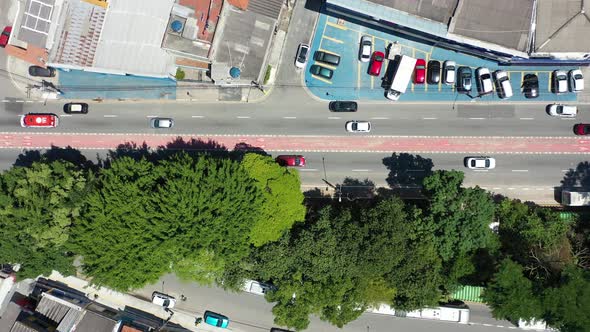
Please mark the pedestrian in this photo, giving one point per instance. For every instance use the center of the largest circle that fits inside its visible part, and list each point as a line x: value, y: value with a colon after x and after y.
x: 182, y: 297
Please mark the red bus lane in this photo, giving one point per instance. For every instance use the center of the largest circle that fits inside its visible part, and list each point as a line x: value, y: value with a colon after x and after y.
x: 413, y: 144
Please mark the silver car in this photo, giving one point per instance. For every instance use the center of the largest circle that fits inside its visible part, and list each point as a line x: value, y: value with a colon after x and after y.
x: 365, y: 49
x: 358, y: 126
x: 480, y: 163
x: 563, y: 111
x: 302, y: 55
x: 162, y: 123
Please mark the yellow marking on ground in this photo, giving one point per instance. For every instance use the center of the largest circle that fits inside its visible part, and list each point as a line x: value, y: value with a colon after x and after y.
x: 324, y: 65
x: 549, y: 81
x: 321, y: 79
x: 333, y: 39
x: 323, y: 50
x: 337, y: 26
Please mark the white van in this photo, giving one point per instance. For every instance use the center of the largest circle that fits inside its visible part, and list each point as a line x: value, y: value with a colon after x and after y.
x: 503, y: 86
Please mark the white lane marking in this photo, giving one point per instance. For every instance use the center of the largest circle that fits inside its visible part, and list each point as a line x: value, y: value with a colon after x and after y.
x: 569, y: 119
x: 19, y: 101
x: 308, y: 170
x: 379, y: 118
x: 151, y: 116
x: 64, y: 115
x: 565, y: 170
x: 243, y: 117
x: 289, y: 117
x: 480, y: 170
x: 109, y: 116
x: 477, y: 118
x: 197, y: 116
x: 511, y: 188
x: 520, y: 170
x: 360, y: 170
x: 527, y: 118
x: 334, y: 117
x: 496, y: 188
x: 29, y: 101
x: 429, y: 118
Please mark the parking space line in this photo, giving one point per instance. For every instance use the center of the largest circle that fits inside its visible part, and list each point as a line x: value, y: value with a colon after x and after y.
x: 325, y: 65
x: 333, y: 39
x: 358, y: 65
x: 336, y: 25
x: 548, y: 83
x: 321, y: 79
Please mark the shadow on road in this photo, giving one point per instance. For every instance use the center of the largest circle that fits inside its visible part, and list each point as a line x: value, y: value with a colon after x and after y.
x: 574, y: 179
x: 407, y: 170
x: 74, y: 156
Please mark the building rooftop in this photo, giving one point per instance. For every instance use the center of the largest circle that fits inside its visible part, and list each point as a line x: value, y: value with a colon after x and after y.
x: 436, y: 10
x: 562, y: 26
x: 36, y: 22
x: 503, y: 22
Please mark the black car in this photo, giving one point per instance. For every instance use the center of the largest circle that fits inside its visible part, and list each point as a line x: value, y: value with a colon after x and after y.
x: 433, y: 76
x: 530, y: 85
x: 464, y: 79
x: 322, y: 71
x: 41, y: 72
x: 76, y: 108
x: 343, y: 106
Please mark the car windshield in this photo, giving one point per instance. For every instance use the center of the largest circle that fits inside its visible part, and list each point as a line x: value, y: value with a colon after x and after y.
x: 303, y: 53
x: 379, y: 58
x: 485, y: 76
x: 420, y: 67
x: 578, y: 76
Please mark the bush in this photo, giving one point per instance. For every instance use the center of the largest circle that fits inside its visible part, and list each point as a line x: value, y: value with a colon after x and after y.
x: 267, y: 75
x: 179, y: 74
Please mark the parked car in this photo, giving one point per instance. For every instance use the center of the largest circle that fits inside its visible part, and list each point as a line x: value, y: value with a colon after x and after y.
x: 484, y: 81
x: 480, y: 163
x: 503, y: 86
x: 563, y: 111
x: 215, y: 319
x: 376, y: 63
x: 255, y: 287
x: 420, y: 71
x: 582, y: 129
x: 464, y: 79
x: 343, y: 106
x: 449, y: 72
x: 159, y: 123
x: 365, y: 49
x: 559, y: 81
x: 291, y: 160
x: 75, y: 108
x: 322, y: 71
x: 358, y: 126
x: 433, y: 72
x: 5, y: 36
x: 41, y: 72
x: 576, y: 80
x: 39, y: 120
x: 329, y: 58
x: 163, y: 300
x: 530, y: 86
x: 302, y: 55
x: 276, y: 329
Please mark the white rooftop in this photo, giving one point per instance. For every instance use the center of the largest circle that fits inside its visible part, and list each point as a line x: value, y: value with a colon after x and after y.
x: 131, y: 39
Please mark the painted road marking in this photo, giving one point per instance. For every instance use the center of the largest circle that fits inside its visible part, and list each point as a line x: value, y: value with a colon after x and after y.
x: 569, y: 119
x: 358, y: 72
x: 477, y: 118
x: 480, y: 170
x: 565, y: 170
x: 336, y: 25
x: 151, y: 116
x: 289, y: 117
x: 242, y: 117
x: 520, y: 170
x: 527, y: 118
x: 334, y: 117
x: 333, y: 39
x: 109, y: 116
x: 308, y: 170
x: 429, y: 118
x: 321, y: 79
x: 361, y: 170
x: 379, y: 118
x: 197, y: 116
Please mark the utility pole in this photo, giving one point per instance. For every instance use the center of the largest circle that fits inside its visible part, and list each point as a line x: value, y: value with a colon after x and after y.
x: 337, y: 188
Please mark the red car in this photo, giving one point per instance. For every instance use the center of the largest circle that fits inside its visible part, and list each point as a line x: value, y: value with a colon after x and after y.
x: 376, y: 63
x: 582, y: 129
x: 420, y: 71
x: 5, y: 36
x: 41, y: 120
x: 291, y: 160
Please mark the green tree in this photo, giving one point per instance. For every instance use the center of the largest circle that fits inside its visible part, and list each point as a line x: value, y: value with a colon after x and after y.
x: 283, y: 199
x: 511, y: 295
x: 38, y: 205
x: 567, y: 306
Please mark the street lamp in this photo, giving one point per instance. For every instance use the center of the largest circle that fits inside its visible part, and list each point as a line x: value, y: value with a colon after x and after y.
x: 337, y: 188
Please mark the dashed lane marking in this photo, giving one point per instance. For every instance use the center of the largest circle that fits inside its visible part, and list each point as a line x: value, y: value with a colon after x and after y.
x: 109, y: 116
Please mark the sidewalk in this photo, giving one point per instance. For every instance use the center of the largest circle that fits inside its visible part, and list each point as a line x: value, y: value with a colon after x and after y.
x: 118, y: 300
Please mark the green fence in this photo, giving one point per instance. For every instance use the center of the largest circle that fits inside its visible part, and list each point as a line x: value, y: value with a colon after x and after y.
x: 468, y: 293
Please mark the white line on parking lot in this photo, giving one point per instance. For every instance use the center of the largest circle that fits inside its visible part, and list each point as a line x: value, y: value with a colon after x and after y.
x: 308, y: 170
x: 428, y: 118
x: 334, y: 118
x: 243, y: 117
x: 527, y: 118
x: 289, y: 117
x: 361, y: 170
x: 197, y: 116
x: 379, y: 118
x: 477, y: 118
x: 520, y: 170
x: 109, y: 116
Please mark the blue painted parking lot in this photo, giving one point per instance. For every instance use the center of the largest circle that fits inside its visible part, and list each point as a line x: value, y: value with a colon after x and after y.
x: 351, y: 80
x: 77, y: 84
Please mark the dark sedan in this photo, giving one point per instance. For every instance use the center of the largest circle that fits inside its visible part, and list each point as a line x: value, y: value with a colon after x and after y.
x: 530, y: 85
x: 322, y: 71
x: 41, y: 72
x: 343, y: 106
x: 433, y: 72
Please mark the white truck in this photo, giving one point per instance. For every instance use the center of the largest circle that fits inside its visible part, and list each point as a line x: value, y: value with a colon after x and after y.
x: 401, y: 77
x: 575, y: 198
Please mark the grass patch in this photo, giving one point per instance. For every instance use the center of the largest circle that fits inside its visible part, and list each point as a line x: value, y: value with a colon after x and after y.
x: 267, y: 75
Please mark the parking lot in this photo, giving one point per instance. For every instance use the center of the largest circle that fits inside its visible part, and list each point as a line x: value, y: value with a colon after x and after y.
x: 351, y: 81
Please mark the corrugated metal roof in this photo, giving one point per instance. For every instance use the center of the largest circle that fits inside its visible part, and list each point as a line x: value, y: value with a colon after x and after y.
x: 54, y: 308
x: 20, y: 327
x: 92, y: 322
x: 268, y: 8
x: 469, y: 293
x: 69, y: 320
x: 131, y: 38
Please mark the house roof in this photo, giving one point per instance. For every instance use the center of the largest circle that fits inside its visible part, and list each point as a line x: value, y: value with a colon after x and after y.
x: 36, y: 21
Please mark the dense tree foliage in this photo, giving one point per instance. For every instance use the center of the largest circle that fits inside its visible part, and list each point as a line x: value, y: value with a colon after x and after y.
x: 37, y: 207
x: 283, y: 200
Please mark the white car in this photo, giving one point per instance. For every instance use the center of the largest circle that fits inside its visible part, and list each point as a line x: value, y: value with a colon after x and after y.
x: 157, y: 123
x: 480, y: 163
x: 449, y: 68
x: 163, y: 300
x: 559, y: 81
x: 563, y: 111
x: 358, y: 126
x: 365, y: 49
x: 576, y: 80
x: 255, y: 287
x: 302, y: 55
x: 503, y: 87
x: 484, y: 81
